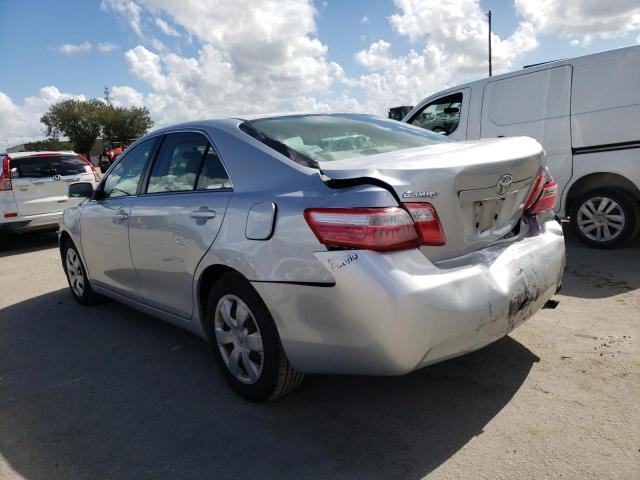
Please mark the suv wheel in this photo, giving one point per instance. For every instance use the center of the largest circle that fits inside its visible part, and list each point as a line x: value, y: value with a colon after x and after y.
x: 605, y: 217
x: 246, y: 343
x: 77, y: 276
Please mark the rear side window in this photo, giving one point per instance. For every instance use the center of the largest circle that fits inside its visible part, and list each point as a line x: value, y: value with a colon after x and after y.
x: 186, y: 162
x: 48, y: 166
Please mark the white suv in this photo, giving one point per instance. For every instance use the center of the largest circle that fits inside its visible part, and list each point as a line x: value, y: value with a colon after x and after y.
x: 33, y: 189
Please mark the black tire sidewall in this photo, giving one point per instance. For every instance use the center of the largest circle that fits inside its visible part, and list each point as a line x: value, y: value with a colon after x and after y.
x: 262, y: 390
x: 627, y: 204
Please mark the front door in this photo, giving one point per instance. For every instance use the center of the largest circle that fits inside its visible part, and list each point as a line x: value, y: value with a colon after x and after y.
x: 176, y: 219
x: 104, y: 224
x: 445, y: 115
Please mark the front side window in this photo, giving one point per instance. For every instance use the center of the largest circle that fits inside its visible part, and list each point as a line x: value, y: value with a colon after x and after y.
x: 124, y: 178
x: 309, y: 139
x: 440, y: 116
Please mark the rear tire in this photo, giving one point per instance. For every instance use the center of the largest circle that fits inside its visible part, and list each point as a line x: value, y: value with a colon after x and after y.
x: 239, y: 325
x: 5, y: 241
x: 605, y: 217
x: 79, y: 284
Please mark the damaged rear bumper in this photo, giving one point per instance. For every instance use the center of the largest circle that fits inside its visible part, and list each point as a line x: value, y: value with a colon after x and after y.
x: 391, y: 313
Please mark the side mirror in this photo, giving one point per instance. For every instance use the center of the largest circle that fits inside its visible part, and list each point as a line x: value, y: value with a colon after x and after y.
x: 81, y: 190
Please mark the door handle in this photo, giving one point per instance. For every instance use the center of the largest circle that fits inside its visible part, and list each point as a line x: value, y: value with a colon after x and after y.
x: 203, y: 213
x: 121, y: 215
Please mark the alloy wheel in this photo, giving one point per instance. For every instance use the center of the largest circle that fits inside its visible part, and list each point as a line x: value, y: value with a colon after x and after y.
x: 601, y: 219
x: 74, y: 272
x: 239, y: 339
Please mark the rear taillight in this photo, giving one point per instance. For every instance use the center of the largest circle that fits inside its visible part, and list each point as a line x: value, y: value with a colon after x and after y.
x: 543, y: 196
x: 427, y: 223
x: 5, y: 177
x: 378, y: 229
x: 381, y: 229
x: 92, y: 168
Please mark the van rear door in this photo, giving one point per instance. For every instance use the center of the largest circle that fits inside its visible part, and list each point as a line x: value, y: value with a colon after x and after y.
x: 537, y: 105
x: 40, y: 181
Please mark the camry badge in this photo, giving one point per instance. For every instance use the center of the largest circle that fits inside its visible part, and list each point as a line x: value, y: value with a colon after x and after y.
x: 504, y: 183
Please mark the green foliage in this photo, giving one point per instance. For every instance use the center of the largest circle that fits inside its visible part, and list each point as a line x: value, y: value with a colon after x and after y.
x: 124, y: 124
x: 49, y: 144
x: 79, y: 120
x: 82, y: 121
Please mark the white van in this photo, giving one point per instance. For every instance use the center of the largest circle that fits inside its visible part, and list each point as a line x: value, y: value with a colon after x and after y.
x: 586, y: 113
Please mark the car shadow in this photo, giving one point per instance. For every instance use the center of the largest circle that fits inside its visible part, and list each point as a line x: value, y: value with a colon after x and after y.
x: 598, y: 273
x: 29, y: 242
x: 107, y: 392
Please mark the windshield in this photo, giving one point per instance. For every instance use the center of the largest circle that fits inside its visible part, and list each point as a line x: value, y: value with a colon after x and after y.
x: 309, y: 139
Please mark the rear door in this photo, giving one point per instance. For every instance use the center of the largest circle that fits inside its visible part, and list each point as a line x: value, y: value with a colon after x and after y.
x: 537, y: 105
x: 40, y: 181
x: 176, y: 219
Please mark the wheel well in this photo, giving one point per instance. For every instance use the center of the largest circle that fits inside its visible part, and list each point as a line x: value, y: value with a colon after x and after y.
x: 600, y: 180
x: 208, y: 278
x: 64, y: 236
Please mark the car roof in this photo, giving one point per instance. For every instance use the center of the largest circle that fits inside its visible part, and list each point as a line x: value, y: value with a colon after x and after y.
x: 40, y: 153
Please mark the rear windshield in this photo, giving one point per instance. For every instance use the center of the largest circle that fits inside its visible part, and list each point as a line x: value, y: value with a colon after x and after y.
x: 308, y: 139
x: 48, y: 165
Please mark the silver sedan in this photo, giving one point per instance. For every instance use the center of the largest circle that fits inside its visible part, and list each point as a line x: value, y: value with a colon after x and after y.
x: 320, y: 243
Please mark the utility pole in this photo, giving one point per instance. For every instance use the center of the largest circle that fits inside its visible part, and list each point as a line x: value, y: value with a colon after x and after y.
x: 489, y: 15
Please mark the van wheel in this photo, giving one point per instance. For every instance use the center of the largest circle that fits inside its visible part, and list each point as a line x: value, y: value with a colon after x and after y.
x: 246, y: 343
x: 5, y: 241
x: 605, y: 217
x: 77, y: 276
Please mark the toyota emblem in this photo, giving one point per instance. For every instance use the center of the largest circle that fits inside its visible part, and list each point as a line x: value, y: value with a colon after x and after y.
x: 504, y: 183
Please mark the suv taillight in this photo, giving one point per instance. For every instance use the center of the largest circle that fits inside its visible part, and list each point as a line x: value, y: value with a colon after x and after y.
x: 380, y: 229
x: 94, y: 170
x: 5, y: 177
x: 543, y: 196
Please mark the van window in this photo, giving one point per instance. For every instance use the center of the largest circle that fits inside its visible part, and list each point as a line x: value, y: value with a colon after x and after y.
x: 440, y: 116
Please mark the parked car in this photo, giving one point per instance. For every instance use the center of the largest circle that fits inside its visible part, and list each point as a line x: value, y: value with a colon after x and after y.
x: 33, y: 189
x: 296, y: 251
x: 585, y: 113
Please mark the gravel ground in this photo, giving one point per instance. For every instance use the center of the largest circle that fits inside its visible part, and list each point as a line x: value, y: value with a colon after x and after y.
x: 107, y: 392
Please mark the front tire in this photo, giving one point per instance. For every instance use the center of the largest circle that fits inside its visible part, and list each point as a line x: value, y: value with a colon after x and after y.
x: 246, y: 343
x: 605, y: 217
x: 76, y: 274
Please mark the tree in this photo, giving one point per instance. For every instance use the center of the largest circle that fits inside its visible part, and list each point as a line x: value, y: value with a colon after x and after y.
x: 79, y: 120
x: 123, y: 124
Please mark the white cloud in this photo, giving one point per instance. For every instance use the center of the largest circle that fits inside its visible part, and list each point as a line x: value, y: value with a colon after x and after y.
x: 126, y: 97
x: 364, y: 19
x: 283, y: 68
x: 166, y: 28
x: 376, y: 57
x: 21, y: 123
x: 73, y: 49
x: 451, y: 46
x: 129, y: 10
x: 580, y: 19
x: 106, y: 47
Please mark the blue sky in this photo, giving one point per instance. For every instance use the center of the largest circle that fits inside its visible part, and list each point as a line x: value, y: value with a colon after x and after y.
x: 32, y: 32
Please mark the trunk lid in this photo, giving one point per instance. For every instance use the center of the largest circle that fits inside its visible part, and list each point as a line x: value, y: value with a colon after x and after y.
x: 478, y: 188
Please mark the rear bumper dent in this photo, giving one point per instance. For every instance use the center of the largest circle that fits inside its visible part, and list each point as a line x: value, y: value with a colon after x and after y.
x: 392, y: 313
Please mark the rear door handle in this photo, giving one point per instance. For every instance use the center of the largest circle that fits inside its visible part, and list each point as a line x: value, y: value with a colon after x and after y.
x: 204, y: 213
x: 121, y: 215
